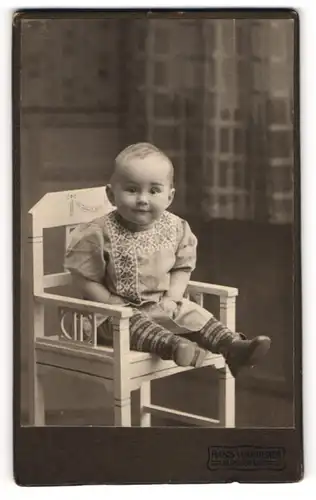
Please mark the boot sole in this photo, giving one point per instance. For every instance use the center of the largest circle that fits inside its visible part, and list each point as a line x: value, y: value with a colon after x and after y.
x: 189, y: 355
x: 200, y: 355
x: 260, y: 350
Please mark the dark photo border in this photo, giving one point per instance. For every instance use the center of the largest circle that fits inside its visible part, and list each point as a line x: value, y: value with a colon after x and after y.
x: 104, y: 455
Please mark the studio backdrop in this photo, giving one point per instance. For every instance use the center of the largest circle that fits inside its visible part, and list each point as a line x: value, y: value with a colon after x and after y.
x: 217, y: 96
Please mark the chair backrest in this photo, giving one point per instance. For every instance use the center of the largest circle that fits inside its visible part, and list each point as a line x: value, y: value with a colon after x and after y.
x: 61, y: 209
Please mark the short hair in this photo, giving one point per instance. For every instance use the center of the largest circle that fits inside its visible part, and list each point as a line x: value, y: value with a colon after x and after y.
x: 142, y: 150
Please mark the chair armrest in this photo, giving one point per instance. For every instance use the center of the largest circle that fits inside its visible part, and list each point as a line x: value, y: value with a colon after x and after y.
x: 211, y: 289
x: 84, y: 305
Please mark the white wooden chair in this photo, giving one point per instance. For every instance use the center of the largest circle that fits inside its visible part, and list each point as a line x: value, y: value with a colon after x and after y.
x: 119, y: 369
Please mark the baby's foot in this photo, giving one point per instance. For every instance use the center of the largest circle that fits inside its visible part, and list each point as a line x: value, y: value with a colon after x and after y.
x: 188, y: 353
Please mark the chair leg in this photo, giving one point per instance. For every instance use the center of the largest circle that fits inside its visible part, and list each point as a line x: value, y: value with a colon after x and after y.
x: 145, y: 396
x: 39, y: 401
x: 122, y: 412
x: 36, y: 403
x: 226, y: 398
x: 121, y: 389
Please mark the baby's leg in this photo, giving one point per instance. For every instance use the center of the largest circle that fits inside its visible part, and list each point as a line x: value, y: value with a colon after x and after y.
x: 148, y: 336
x: 238, y: 351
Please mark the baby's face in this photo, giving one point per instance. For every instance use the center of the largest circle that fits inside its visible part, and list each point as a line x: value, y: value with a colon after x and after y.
x: 141, y: 190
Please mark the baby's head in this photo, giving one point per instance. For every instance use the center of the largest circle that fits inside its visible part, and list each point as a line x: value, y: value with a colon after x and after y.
x: 142, y: 184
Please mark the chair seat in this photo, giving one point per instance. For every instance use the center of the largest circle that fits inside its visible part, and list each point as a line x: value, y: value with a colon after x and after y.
x: 99, y: 361
x: 54, y: 341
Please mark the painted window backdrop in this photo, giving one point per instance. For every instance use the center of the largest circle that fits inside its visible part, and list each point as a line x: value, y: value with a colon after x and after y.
x: 216, y: 95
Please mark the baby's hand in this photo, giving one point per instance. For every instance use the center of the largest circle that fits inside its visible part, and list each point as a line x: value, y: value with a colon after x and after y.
x: 116, y: 300
x: 168, y: 305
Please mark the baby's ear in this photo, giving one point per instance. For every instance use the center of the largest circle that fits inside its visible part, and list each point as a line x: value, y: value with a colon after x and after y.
x: 109, y: 193
x: 171, y: 195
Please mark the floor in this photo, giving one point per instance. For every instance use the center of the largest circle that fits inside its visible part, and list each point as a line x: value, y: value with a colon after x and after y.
x: 83, y: 403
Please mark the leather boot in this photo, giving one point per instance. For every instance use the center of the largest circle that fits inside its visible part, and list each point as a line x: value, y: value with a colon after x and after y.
x: 241, y: 353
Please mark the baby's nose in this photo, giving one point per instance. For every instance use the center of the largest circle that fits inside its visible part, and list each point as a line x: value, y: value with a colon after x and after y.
x: 142, y: 198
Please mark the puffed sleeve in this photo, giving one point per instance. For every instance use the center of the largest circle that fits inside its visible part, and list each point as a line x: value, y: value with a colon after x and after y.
x: 186, y: 251
x: 85, y: 252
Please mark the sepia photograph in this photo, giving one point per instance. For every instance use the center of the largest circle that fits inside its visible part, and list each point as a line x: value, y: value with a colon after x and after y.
x: 157, y: 220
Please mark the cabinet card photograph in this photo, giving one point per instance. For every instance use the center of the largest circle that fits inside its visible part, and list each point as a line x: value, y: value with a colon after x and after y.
x: 156, y: 184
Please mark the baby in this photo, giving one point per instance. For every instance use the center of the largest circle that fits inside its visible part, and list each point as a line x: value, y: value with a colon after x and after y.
x: 141, y: 256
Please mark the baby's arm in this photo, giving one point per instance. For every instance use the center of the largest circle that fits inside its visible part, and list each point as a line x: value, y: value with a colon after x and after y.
x: 96, y: 292
x: 184, y: 265
x: 179, y: 279
x: 85, y: 259
x: 92, y: 290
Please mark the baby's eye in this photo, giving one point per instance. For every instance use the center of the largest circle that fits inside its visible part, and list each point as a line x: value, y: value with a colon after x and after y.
x: 155, y: 190
x: 131, y: 190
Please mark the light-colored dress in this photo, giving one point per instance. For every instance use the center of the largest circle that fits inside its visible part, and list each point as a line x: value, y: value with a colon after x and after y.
x: 137, y: 266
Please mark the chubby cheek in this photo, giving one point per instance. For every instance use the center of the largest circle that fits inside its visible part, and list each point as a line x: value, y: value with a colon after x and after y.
x: 160, y: 204
x: 127, y: 201
x: 157, y: 208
